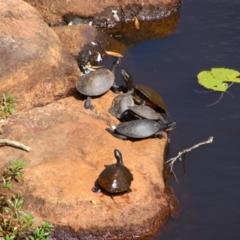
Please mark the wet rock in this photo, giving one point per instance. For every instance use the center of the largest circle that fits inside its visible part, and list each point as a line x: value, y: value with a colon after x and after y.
x: 103, y: 13
x: 85, y: 42
x: 129, y: 35
x: 35, y: 67
x: 69, y: 148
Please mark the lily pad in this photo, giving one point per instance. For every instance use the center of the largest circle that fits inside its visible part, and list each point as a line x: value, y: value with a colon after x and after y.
x: 218, y: 79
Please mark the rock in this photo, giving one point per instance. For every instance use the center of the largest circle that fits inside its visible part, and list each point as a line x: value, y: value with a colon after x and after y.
x: 35, y: 67
x: 101, y: 12
x: 85, y: 42
x: 69, y: 148
x: 69, y: 145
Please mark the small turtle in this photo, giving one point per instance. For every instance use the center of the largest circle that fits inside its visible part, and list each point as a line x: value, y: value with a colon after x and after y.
x: 120, y: 104
x: 115, y: 178
x: 146, y: 112
x: 142, y: 128
x: 97, y: 83
x: 144, y: 95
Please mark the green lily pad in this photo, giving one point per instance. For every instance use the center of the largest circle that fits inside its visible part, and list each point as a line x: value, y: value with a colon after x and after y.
x: 218, y: 79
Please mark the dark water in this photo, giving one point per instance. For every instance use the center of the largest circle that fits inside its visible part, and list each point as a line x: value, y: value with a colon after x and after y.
x: 208, y: 35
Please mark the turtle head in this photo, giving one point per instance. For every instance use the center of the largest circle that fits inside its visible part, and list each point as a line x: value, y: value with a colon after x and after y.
x: 170, y: 126
x: 118, y: 156
x: 115, y: 64
x: 128, y: 79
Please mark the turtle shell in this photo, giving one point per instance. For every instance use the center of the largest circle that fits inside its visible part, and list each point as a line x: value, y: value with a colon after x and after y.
x: 120, y: 105
x: 152, y: 98
x: 139, y: 128
x: 115, y: 178
x: 146, y: 112
x: 95, y: 83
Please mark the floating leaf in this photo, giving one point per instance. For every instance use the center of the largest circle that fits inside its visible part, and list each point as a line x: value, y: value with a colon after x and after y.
x: 218, y: 79
x: 114, y: 54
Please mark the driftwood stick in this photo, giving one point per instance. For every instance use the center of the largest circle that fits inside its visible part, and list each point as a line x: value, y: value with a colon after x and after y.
x: 178, y: 157
x: 14, y: 144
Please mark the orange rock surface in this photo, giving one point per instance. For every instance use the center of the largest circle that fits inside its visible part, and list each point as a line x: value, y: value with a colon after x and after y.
x: 69, y: 144
x: 69, y: 148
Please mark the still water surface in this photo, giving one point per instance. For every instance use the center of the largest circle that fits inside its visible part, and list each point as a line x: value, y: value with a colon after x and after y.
x: 208, y: 35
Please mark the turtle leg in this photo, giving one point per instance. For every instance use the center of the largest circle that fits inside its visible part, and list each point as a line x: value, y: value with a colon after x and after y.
x: 143, y: 102
x: 158, y: 134
x: 87, y: 104
x: 115, y: 88
x: 115, y: 134
x: 96, y: 189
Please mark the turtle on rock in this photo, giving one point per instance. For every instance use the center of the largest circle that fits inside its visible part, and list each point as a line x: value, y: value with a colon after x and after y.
x: 115, y: 178
x: 144, y: 95
x: 143, y: 111
x: 121, y: 103
x: 141, y: 128
x: 97, y: 83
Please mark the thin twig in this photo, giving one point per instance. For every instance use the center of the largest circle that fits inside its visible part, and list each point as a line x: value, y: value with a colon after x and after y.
x: 173, y: 160
x: 14, y: 144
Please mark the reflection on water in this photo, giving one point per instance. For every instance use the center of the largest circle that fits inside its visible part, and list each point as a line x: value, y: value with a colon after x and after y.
x: 208, y: 35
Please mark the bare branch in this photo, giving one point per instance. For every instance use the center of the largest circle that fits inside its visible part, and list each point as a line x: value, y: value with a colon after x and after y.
x: 14, y: 144
x: 178, y: 157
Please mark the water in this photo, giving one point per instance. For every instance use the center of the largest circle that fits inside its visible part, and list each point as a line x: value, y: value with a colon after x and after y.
x: 208, y: 35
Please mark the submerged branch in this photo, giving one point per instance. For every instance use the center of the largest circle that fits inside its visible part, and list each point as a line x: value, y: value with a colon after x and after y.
x: 178, y: 157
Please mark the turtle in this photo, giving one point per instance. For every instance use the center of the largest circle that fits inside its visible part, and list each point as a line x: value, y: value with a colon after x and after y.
x: 144, y: 95
x: 121, y: 103
x: 115, y: 178
x: 97, y: 83
x: 143, y: 111
x: 141, y: 128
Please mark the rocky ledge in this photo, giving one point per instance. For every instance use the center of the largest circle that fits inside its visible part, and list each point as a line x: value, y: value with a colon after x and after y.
x: 69, y: 148
x: 69, y: 145
x: 103, y: 13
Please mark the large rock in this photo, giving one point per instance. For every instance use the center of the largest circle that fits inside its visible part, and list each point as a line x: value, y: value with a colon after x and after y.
x: 86, y: 42
x: 69, y: 145
x: 69, y: 148
x: 100, y: 12
x: 35, y: 67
